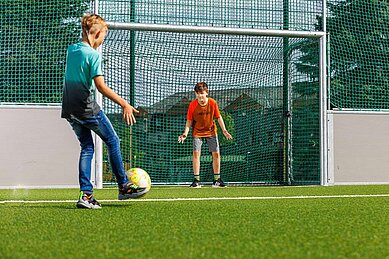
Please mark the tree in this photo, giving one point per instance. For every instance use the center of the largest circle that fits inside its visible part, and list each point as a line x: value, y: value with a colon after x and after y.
x: 34, y: 36
x: 359, y: 54
x: 359, y: 60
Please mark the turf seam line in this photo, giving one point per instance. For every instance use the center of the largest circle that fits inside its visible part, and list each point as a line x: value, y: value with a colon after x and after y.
x: 211, y: 198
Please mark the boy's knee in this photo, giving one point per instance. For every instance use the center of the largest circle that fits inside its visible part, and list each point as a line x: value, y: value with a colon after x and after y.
x: 88, y: 146
x: 196, y: 154
x: 215, y: 155
x: 113, y: 141
x: 87, y: 149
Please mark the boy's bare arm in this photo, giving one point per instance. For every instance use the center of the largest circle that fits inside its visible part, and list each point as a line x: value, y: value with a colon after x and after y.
x: 128, y: 110
x: 183, y: 136
x: 223, y: 127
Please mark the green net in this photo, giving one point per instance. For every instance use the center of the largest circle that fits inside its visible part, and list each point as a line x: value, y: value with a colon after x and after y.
x: 34, y: 36
x: 275, y: 14
x: 359, y: 40
x: 246, y: 76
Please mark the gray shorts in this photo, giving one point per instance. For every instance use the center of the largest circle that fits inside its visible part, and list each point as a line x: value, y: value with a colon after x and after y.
x: 212, y: 142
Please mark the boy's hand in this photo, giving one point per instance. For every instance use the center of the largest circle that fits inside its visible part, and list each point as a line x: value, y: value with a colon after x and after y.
x: 181, y: 138
x: 128, y: 114
x: 227, y: 135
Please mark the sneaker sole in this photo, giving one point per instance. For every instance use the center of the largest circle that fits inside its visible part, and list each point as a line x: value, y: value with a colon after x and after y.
x: 133, y: 195
x: 82, y: 205
x: 194, y: 187
x: 218, y: 186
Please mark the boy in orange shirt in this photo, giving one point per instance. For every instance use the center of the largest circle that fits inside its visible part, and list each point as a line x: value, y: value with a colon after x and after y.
x: 200, y: 117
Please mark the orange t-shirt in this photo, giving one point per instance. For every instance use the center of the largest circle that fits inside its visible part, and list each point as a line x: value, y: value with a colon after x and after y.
x: 202, y: 117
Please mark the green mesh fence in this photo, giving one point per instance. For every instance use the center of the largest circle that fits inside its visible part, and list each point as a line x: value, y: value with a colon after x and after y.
x: 275, y: 14
x: 34, y: 36
x: 359, y: 41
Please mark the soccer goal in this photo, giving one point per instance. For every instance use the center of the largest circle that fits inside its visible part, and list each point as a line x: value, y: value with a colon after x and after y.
x: 272, y: 100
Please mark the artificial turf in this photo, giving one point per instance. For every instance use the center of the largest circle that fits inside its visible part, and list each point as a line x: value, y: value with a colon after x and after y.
x: 327, y: 227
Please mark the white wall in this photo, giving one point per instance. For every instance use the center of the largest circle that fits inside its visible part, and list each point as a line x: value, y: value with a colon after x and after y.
x: 358, y: 147
x: 37, y: 148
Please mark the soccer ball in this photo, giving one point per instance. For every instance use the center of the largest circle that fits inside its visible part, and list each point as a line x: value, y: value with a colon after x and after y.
x: 140, y: 178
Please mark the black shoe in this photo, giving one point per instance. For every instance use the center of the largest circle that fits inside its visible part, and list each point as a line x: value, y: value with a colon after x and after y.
x: 195, y: 184
x: 87, y: 202
x: 132, y: 191
x: 218, y: 183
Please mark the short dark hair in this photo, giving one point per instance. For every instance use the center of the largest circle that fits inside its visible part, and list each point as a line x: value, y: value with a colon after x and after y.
x: 201, y: 86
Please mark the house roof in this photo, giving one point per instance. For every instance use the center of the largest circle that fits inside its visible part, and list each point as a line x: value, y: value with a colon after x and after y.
x: 267, y: 97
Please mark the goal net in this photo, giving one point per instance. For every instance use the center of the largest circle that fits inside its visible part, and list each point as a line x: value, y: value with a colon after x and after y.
x: 259, y: 82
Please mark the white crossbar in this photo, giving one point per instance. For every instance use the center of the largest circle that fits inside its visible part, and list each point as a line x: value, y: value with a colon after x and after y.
x: 213, y: 30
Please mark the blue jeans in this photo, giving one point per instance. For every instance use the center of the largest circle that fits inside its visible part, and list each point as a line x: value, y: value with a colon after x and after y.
x: 101, y: 125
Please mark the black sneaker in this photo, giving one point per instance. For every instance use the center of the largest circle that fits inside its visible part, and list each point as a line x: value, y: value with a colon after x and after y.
x: 132, y: 191
x: 218, y: 183
x: 87, y: 202
x: 195, y: 184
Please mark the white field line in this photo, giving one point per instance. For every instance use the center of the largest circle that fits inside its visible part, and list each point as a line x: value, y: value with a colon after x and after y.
x: 213, y: 198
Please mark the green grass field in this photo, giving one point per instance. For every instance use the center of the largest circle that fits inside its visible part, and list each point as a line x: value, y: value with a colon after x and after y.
x: 270, y: 222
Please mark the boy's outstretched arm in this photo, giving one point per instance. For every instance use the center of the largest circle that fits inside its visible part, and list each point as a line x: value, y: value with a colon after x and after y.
x: 223, y: 127
x: 183, y: 136
x: 128, y: 110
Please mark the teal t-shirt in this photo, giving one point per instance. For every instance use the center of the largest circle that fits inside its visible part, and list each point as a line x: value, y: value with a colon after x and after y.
x: 83, y: 63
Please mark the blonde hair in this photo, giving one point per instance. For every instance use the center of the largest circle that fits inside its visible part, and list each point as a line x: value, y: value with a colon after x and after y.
x: 91, y: 23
